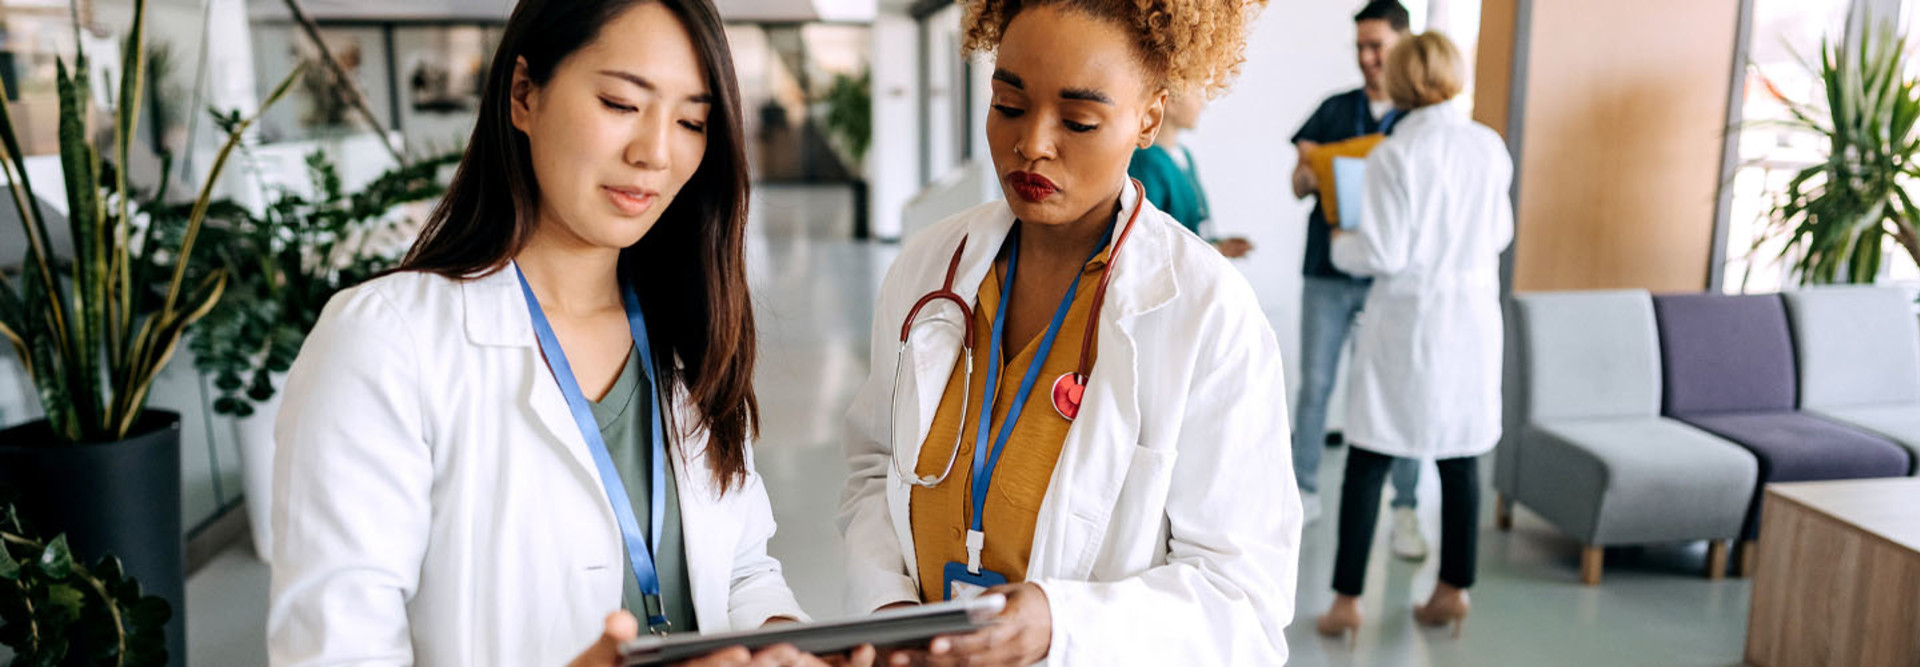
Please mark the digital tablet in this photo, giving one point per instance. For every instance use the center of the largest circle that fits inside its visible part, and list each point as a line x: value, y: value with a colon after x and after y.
x: 906, y: 627
x: 1350, y: 179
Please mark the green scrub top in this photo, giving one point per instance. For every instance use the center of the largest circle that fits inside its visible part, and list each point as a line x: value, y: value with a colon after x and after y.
x: 1171, y: 188
x: 625, y: 420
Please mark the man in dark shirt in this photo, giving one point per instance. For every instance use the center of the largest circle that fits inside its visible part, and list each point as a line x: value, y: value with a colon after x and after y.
x: 1330, y: 299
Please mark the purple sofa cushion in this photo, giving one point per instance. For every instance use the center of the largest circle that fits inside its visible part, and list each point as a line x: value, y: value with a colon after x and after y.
x: 1798, y: 447
x: 1725, y: 353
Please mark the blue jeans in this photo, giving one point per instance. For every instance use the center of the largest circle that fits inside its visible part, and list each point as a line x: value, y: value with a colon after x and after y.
x: 1328, y: 307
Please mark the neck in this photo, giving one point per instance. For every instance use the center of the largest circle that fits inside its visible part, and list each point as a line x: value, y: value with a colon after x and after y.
x: 1074, y: 241
x: 1169, y: 138
x: 570, y: 276
x: 1376, y: 93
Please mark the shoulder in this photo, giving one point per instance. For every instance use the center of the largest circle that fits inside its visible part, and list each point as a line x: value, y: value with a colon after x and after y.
x: 937, y: 243
x: 1343, y: 100
x: 409, y: 303
x: 1206, y: 280
x: 1489, y: 139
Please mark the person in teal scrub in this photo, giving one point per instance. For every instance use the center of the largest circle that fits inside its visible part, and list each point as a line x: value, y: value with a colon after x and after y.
x: 1172, y: 179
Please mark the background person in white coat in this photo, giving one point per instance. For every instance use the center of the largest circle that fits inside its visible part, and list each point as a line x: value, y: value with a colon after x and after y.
x: 474, y: 456
x: 1152, y: 521
x: 1426, y: 368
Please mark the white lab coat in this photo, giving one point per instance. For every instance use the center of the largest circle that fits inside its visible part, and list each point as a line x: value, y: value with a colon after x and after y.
x: 1170, y: 531
x: 435, y: 504
x: 1426, y: 362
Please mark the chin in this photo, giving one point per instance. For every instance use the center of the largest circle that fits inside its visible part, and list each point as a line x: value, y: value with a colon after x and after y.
x: 619, y: 232
x: 1053, y: 211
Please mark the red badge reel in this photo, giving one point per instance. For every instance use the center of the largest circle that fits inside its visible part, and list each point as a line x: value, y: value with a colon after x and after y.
x: 1067, y: 392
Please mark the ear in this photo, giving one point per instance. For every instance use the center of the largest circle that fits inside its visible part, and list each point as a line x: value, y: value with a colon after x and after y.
x: 522, y: 95
x: 1151, y: 121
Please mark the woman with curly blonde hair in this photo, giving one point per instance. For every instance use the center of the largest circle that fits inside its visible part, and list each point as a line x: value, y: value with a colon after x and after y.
x: 1102, y: 378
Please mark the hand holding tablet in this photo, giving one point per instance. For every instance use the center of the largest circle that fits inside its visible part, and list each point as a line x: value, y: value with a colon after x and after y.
x: 903, y: 628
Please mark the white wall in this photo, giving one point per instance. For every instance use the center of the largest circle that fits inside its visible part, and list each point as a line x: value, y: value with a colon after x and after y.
x: 893, y: 162
x: 1298, y: 54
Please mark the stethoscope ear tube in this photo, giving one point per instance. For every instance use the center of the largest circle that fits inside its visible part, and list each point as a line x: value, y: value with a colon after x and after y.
x: 893, y: 403
x: 945, y: 293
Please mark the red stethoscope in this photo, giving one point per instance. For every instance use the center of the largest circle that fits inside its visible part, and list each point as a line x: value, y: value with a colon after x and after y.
x: 1068, y: 389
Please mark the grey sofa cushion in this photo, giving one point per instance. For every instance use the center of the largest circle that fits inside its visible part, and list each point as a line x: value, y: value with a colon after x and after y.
x: 1635, y: 480
x: 1858, y: 346
x: 1590, y: 354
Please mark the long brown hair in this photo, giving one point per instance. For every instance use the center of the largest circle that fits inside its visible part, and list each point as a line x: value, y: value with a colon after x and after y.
x: 689, y: 269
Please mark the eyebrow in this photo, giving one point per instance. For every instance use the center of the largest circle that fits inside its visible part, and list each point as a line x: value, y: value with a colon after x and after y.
x: 1081, y: 94
x: 644, y: 84
x: 1086, y: 95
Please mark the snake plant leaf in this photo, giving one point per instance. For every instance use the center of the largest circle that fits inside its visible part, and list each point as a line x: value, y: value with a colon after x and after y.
x: 81, y: 166
x: 172, y: 327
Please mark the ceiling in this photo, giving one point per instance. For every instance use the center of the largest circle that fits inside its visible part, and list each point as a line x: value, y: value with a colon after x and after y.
x: 747, y: 11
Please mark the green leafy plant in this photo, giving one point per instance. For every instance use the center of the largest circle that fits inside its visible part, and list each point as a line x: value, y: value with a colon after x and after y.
x: 1838, y: 215
x: 94, y: 335
x: 48, y: 598
x: 286, y: 262
x: 850, y: 112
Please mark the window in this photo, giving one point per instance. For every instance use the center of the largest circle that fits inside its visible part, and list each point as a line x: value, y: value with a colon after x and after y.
x: 1786, y: 39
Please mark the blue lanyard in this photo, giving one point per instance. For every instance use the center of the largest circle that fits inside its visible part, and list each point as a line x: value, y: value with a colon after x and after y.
x: 984, y: 463
x: 639, y: 550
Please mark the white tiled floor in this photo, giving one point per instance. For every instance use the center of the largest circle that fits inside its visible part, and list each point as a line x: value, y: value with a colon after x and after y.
x: 813, y: 294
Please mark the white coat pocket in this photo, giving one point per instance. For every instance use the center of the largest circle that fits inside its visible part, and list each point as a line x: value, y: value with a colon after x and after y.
x: 1138, y: 520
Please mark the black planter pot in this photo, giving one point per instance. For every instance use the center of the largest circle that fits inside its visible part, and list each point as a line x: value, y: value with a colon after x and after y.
x: 120, y: 498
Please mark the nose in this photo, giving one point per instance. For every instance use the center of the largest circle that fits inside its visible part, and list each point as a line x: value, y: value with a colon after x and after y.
x: 1036, y: 141
x: 647, y: 147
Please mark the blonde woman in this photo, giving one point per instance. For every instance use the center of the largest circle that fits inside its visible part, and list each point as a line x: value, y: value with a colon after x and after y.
x: 1426, y: 367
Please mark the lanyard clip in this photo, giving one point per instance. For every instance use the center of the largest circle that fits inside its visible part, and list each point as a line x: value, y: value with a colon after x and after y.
x: 656, y: 609
x: 976, y: 540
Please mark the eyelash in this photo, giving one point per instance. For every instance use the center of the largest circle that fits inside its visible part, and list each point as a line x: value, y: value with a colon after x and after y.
x: 623, y: 109
x: 1012, y: 112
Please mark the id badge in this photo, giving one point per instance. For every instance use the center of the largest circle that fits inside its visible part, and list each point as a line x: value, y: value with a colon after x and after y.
x: 959, y: 584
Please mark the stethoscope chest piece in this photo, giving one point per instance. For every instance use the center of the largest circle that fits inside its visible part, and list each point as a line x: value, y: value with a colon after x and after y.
x: 1068, y: 389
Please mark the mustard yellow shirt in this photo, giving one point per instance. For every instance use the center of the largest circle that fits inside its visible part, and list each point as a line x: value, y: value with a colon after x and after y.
x: 940, y: 515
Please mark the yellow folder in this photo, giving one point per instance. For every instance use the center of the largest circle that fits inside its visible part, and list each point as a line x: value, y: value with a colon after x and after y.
x: 1320, y: 160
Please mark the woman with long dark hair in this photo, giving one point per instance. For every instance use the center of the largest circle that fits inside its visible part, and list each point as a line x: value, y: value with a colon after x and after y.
x: 543, y: 415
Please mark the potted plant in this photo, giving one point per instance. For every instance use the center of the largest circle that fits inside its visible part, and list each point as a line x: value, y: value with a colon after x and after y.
x: 92, y: 334
x: 850, y: 121
x: 49, y: 600
x: 1838, y: 215
x: 283, y: 264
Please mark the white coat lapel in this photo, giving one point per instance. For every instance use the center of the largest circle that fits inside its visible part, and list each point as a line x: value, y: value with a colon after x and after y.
x: 929, y: 361
x: 1093, y: 465
x: 497, y: 316
x: 938, y: 335
x: 710, y: 582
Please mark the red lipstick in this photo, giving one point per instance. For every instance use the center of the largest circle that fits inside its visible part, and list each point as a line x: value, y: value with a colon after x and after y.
x: 1032, y: 187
